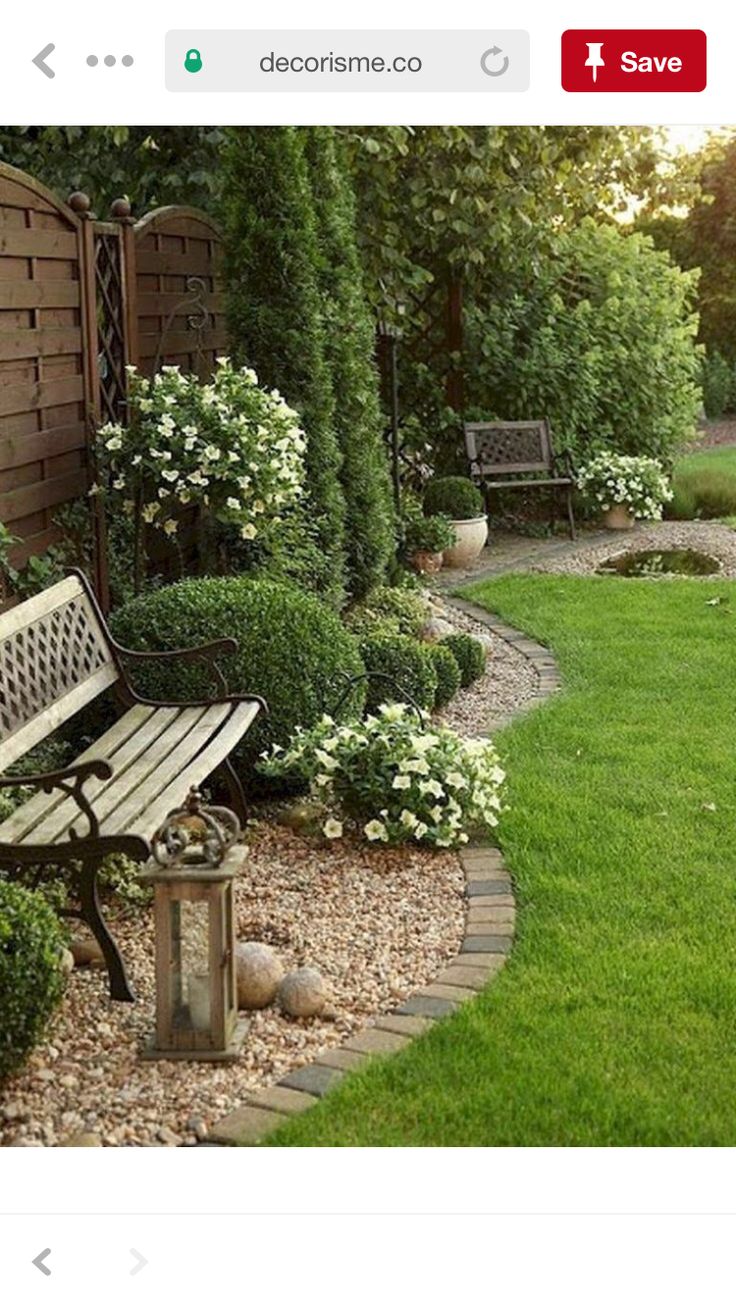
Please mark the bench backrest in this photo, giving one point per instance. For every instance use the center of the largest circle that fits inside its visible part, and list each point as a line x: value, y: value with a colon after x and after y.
x: 54, y: 659
x: 494, y: 449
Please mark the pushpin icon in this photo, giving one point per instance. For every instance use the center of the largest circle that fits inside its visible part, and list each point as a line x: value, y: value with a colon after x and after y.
x: 595, y: 60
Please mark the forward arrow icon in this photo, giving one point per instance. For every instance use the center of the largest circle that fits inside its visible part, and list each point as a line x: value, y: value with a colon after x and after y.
x: 140, y: 1263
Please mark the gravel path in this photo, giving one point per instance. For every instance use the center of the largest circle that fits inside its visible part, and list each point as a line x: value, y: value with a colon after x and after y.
x: 508, y: 682
x: 711, y: 538
x: 378, y: 923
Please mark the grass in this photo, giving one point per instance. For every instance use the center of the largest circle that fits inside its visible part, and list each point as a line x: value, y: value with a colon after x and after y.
x: 614, y: 1022
x: 704, y: 484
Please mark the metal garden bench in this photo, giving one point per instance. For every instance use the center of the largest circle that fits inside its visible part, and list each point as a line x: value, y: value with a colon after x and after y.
x: 56, y: 656
x: 519, y: 456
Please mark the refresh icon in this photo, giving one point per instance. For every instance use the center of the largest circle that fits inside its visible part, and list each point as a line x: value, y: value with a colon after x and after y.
x: 489, y: 62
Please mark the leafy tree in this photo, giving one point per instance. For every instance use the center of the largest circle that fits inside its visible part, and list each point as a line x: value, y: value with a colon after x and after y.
x: 349, y: 344
x: 275, y: 311
x: 601, y: 338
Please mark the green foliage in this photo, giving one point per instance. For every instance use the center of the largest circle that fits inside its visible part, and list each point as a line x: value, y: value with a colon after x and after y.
x: 469, y: 653
x: 293, y: 651
x: 601, y: 339
x: 152, y: 166
x: 349, y: 334
x: 31, y: 980
x: 398, y: 777
x: 717, y: 380
x: 448, y: 674
x: 434, y: 533
x: 275, y: 311
x: 456, y: 497
x: 704, y: 485
x: 403, y: 668
x: 389, y: 610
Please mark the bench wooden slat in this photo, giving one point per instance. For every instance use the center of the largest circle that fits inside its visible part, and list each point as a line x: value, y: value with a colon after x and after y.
x: 148, y: 778
x: 198, y: 770
x: 21, y: 824
x: 530, y: 484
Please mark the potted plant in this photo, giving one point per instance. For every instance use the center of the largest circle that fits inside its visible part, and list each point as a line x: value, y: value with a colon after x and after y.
x: 426, y: 537
x: 625, y: 487
x: 460, y: 501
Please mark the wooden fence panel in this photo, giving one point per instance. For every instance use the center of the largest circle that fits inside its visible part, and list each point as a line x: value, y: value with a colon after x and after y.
x: 44, y: 369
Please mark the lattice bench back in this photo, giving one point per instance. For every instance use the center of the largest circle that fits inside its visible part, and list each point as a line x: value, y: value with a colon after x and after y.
x: 54, y: 659
x: 495, y: 449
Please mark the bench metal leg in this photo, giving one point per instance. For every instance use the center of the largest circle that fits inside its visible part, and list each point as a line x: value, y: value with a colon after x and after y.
x: 91, y: 914
x: 553, y: 511
x: 570, y: 513
x: 235, y: 790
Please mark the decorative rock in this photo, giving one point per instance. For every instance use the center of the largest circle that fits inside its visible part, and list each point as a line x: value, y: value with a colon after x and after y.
x: 259, y: 972
x: 435, y: 628
x: 66, y: 962
x: 86, y: 952
x: 83, y: 1139
x: 303, y: 993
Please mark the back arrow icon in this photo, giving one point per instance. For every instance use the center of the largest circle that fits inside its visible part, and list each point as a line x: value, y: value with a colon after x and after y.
x: 38, y: 1263
x: 38, y: 60
x: 140, y: 1262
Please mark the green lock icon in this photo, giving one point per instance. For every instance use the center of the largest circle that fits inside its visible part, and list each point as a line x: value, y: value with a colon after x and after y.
x: 193, y: 61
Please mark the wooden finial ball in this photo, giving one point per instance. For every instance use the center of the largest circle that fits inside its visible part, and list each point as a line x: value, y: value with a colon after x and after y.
x: 121, y: 208
x: 79, y: 202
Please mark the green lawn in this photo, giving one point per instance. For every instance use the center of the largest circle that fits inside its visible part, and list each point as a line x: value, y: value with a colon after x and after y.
x: 704, y: 484
x: 614, y: 1022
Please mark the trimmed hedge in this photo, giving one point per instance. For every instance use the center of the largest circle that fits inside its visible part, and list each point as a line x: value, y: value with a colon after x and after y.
x: 456, y: 497
x: 293, y: 650
x: 31, y: 979
x: 447, y: 670
x: 407, y: 662
x: 389, y: 610
x: 469, y: 653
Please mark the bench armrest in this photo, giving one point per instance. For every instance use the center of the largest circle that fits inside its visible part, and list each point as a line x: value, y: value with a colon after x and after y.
x: 208, y: 653
x: 71, y: 781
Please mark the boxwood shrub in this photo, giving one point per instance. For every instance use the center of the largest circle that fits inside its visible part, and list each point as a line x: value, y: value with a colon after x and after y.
x: 407, y: 662
x: 389, y: 609
x: 293, y: 650
x: 447, y: 670
x: 456, y: 497
x: 469, y: 653
x: 31, y: 979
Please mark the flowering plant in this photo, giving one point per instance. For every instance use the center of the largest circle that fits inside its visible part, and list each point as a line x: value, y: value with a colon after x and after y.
x: 398, y: 776
x: 226, y: 444
x: 632, y: 480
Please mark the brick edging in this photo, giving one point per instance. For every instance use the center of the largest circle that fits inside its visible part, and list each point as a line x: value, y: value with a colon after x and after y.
x: 486, y: 945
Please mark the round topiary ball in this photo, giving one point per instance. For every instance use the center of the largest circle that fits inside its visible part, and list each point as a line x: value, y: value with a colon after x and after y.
x: 470, y: 655
x: 292, y: 650
x: 457, y: 497
x: 303, y: 993
x: 403, y: 669
x: 448, y: 674
x: 31, y: 973
x: 259, y: 973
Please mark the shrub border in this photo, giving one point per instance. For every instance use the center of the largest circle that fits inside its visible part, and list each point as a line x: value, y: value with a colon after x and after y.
x: 485, y: 948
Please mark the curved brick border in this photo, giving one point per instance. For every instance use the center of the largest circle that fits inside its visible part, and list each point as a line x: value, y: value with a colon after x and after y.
x: 489, y: 933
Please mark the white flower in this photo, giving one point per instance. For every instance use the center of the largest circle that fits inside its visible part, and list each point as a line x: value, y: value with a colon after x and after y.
x: 248, y: 532
x: 401, y: 782
x: 416, y: 766
x: 232, y: 503
x: 420, y: 830
x: 457, y: 780
x: 149, y: 511
x: 212, y: 453
x: 432, y: 787
x: 408, y: 819
x: 332, y: 828
x: 115, y: 443
x: 376, y: 831
x: 171, y: 527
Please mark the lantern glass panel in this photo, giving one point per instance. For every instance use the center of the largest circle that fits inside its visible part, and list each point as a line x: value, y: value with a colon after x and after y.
x: 190, y: 934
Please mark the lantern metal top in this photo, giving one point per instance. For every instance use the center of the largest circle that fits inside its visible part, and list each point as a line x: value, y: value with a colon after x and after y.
x: 196, y: 837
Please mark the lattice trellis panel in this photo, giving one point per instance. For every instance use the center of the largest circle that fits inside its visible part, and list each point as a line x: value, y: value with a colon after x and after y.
x: 110, y: 325
x: 45, y: 659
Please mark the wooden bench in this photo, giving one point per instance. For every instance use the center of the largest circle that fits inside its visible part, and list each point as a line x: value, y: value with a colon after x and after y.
x: 56, y: 655
x: 499, y: 453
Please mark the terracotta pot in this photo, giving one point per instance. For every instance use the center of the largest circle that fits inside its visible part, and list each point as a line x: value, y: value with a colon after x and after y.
x: 619, y: 518
x: 426, y: 561
x: 471, y: 535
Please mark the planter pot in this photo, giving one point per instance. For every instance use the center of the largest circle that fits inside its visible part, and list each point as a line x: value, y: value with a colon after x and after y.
x: 619, y: 519
x: 428, y: 562
x: 471, y: 535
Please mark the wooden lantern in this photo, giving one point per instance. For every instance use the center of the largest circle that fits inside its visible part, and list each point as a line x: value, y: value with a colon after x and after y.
x: 196, y: 858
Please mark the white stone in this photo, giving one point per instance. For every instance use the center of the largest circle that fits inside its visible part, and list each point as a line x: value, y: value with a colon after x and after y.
x: 259, y: 971
x: 303, y: 993
x: 435, y: 628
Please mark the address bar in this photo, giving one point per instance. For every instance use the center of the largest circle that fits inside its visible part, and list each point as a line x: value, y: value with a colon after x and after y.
x: 347, y: 61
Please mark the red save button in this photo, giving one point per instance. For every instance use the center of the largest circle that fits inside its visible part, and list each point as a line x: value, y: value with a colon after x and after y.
x: 626, y: 60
